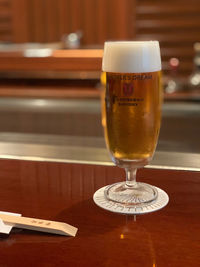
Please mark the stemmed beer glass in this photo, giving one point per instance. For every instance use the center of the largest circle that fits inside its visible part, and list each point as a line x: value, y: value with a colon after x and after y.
x: 132, y: 115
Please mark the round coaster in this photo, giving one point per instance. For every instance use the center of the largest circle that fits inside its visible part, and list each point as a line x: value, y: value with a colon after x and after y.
x: 159, y: 203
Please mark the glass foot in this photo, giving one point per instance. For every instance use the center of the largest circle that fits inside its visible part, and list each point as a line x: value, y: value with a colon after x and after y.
x: 138, y: 194
x: 140, y: 208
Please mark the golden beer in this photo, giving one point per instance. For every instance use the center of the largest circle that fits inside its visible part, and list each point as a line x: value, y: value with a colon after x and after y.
x: 133, y: 110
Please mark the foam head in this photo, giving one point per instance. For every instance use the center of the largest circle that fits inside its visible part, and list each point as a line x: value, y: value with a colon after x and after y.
x: 131, y: 57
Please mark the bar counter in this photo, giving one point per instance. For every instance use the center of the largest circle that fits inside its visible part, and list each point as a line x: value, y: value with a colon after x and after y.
x: 64, y: 191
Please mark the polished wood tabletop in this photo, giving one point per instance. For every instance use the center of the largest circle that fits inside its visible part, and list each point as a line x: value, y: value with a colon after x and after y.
x: 63, y: 192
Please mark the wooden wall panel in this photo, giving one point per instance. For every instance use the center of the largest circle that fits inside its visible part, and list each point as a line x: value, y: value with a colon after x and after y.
x: 120, y: 19
x: 36, y: 21
x: 101, y: 21
x: 5, y: 21
x: 89, y: 21
x: 64, y: 20
x: 176, y: 24
x: 19, y: 14
x: 75, y: 9
x: 49, y: 20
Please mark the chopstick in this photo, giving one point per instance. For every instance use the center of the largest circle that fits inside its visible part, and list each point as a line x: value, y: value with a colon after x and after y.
x: 54, y: 227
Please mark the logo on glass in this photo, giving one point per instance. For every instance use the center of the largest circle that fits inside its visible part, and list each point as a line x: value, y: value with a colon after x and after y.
x: 127, y: 89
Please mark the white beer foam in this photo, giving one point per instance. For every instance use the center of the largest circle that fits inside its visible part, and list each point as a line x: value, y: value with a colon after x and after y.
x: 131, y: 56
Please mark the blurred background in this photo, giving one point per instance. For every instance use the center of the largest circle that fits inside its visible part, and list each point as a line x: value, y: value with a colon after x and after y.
x: 50, y: 69
x: 175, y: 24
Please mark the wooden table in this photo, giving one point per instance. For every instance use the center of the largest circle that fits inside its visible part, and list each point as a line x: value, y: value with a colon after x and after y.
x: 63, y: 192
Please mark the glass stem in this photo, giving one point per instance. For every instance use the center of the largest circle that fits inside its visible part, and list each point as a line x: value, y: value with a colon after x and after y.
x: 131, y: 177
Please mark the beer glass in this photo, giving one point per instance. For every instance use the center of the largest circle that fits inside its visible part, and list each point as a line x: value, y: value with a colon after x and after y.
x: 132, y: 115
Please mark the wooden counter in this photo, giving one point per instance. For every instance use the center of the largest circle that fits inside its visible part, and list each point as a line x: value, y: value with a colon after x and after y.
x: 59, y: 60
x: 63, y: 192
x: 64, y: 74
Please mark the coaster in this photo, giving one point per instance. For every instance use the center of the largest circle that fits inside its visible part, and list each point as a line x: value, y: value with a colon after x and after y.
x: 157, y: 204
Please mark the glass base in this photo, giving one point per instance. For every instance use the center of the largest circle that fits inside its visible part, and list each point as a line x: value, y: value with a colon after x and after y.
x: 137, y: 195
x: 102, y: 201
